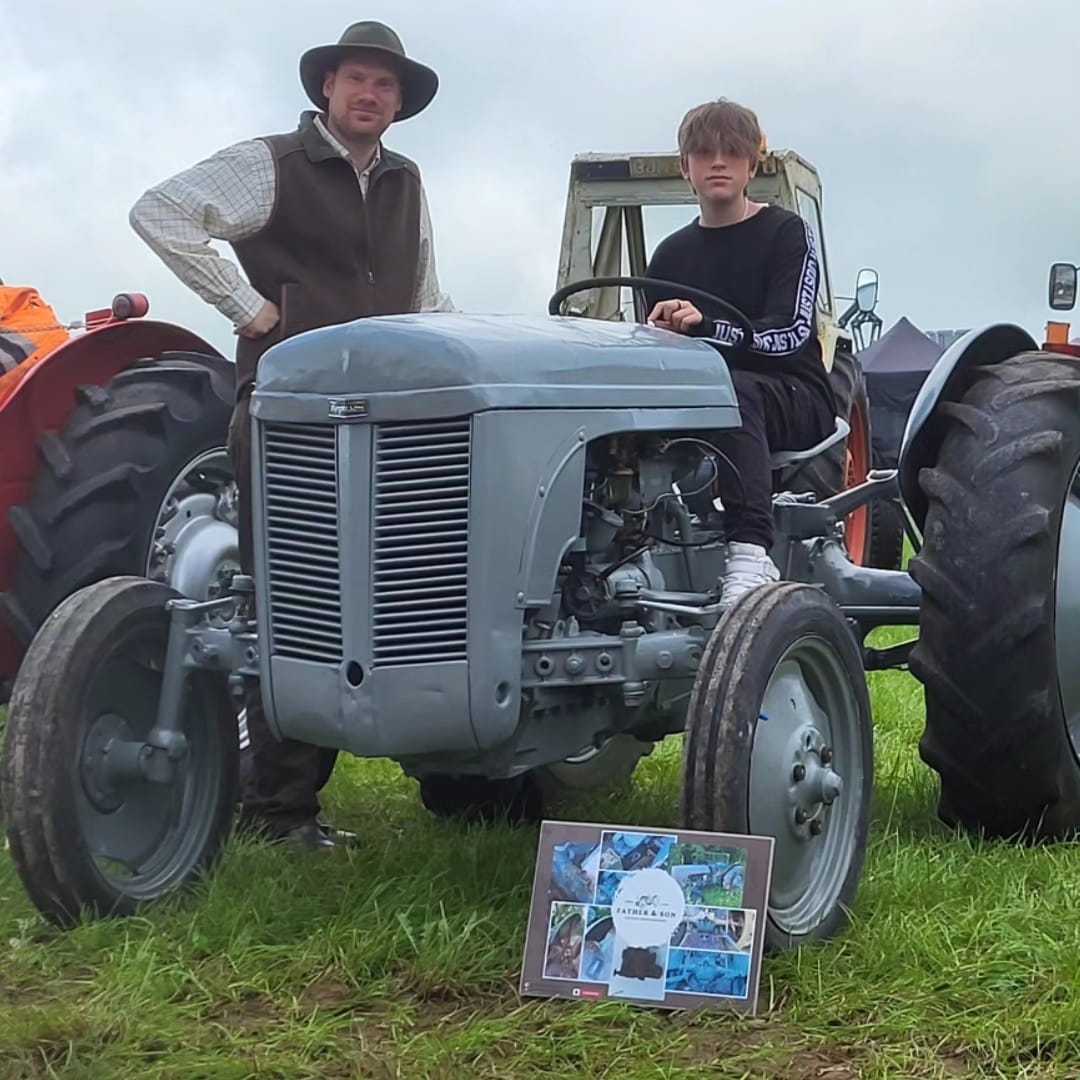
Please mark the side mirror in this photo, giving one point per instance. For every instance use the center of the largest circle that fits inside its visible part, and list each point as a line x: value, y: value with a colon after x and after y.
x: 1062, y: 286
x: 866, y: 290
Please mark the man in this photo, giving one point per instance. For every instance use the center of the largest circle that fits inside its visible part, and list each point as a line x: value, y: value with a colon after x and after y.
x: 760, y: 259
x: 329, y: 226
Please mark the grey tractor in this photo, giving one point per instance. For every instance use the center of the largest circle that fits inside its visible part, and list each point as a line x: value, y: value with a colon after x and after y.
x: 488, y: 548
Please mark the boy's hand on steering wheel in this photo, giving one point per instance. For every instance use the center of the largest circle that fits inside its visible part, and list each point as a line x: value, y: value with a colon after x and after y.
x: 679, y: 316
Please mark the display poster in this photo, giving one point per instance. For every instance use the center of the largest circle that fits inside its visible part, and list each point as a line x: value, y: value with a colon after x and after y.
x: 668, y: 918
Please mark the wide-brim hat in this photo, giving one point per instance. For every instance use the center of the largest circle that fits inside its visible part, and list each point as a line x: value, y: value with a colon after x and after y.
x: 418, y: 82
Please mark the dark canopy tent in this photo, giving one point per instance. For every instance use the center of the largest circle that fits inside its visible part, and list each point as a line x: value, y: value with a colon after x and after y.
x: 895, y: 367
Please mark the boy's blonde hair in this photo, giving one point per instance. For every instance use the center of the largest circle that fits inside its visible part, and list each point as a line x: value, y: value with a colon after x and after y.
x: 722, y: 125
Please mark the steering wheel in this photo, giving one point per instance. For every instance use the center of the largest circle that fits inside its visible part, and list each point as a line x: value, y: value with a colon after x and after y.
x: 686, y: 292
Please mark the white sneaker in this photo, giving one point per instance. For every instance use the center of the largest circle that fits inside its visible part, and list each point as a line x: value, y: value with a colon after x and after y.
x: 748, y: 566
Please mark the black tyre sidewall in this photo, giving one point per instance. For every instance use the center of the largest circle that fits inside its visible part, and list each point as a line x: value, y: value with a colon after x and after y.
x: 886, y: 536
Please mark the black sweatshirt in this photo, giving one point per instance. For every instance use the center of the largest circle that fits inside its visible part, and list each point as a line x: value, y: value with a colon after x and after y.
x: 766, y: 267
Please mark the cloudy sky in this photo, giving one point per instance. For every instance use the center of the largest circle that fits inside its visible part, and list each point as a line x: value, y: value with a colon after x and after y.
x: 945, y: 132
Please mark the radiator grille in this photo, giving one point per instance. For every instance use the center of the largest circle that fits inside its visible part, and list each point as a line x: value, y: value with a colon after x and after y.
x: 302, y: 541
x: 421, y: 533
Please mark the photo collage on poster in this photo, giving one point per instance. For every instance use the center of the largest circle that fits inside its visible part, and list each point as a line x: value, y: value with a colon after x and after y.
x: 645, y: 915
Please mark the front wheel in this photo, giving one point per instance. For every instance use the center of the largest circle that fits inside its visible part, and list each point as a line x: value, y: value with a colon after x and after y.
x: 779, y: 743
x: 88, y: 830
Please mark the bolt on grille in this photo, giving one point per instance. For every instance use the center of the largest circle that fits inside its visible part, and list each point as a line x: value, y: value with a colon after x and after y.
x: 420, y: 542
x: 304, y: 558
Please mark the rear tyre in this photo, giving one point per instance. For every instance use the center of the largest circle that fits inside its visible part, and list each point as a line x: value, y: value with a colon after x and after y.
x: 886, y: 541
x: 137, y: 482
x: 605, y: 768
x: 87, y: 834
x: 999, y: 571
x: 779, y: 742
x: 477, y: 799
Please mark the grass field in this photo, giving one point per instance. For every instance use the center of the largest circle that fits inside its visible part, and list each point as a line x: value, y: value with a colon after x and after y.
x: 400, y: 959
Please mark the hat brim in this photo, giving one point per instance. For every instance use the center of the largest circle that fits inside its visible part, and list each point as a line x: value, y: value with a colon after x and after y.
x: 419, y: 83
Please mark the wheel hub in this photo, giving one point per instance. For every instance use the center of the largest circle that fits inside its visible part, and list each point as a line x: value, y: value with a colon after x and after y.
x: 805, y: 780
x: 196, y: 547
x: 815, y: 785
x: 105, y: 737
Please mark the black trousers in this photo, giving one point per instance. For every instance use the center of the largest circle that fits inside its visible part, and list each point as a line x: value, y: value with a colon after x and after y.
x: 281, y: 778
x: 778, y: 413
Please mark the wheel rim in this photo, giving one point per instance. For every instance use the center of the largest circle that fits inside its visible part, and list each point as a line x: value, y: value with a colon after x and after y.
x: 144, y: 838
x: 808, y: 748
x: 195, y: 546
x: 857, y: 466
x: 1067, y: 612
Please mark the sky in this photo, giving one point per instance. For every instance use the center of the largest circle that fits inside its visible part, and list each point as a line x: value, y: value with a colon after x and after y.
x: 945, y: 132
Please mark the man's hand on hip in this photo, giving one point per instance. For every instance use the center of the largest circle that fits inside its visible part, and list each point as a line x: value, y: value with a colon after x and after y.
x: 263, y: 323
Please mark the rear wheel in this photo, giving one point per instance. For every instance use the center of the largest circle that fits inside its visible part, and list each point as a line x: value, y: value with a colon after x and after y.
x: 137, y: 482
x: 603, y: 768
x: 886, y: 542
x: 480, y: 799
x: 999, y: 571
x: 88, y: 829
x: 779, y: 743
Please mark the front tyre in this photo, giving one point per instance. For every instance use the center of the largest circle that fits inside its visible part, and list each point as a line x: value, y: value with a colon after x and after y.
x: 87, y: 830
x: 779, y: 742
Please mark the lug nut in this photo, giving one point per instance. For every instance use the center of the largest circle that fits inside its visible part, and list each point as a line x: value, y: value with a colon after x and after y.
x: 798, y: 774
x: 826, y: 755
x: 815, y: 828
x: 800, y: 817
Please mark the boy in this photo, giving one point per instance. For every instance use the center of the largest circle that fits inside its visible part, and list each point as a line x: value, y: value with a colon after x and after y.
x: 761, y: 259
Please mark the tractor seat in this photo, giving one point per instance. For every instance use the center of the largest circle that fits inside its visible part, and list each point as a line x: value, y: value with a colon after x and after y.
x: 783, y: 458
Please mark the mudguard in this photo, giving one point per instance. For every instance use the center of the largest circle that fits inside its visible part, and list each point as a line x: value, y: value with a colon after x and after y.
x: 947, y: 382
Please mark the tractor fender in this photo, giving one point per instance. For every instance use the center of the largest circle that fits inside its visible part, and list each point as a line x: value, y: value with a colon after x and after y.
x: 41, y: 402
x: 923, y: 435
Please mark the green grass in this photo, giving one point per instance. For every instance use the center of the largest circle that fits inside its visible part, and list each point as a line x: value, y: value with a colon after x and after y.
x: 400, y: 959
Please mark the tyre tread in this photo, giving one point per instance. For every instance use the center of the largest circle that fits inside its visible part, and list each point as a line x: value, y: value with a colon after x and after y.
x: 986, y: 648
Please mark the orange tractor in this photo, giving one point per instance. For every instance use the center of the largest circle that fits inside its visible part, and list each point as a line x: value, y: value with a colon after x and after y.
x: 112, y: 458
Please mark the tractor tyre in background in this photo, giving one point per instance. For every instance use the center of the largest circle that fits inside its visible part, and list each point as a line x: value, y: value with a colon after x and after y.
x: 886, y: 548
x: 847, y: 463
x: 603, y: 769
x: 999, y: 628
x: 138, y: 482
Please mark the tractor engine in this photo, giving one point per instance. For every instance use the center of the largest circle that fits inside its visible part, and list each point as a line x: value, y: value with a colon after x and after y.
x: 637, y: 489
x: 644, y: 497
